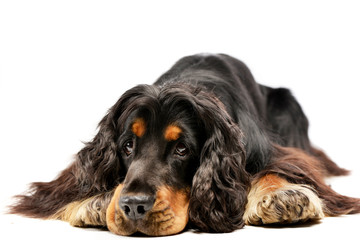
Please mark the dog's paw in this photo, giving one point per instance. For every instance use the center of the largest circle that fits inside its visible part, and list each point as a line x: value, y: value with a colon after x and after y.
x: 289, y: 204
x: 83, y: 213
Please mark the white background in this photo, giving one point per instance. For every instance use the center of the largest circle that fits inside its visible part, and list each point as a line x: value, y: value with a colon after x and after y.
x: 64, y: 63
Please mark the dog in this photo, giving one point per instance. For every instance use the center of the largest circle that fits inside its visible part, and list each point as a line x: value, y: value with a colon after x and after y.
x: 204, y: 147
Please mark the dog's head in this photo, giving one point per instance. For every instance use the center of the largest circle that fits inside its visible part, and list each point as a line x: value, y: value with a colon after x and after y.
x: 175, y: 156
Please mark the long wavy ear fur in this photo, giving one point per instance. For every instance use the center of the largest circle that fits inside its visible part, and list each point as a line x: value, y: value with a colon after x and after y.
x: 81, y: 179
x: 97, y: 167
x: 220, y: 185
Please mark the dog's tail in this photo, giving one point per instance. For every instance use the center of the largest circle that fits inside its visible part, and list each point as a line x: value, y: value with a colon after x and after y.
x: 337, y: 204
x: 332, y: 169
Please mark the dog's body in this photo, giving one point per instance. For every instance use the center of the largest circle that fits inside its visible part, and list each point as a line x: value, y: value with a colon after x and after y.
x: 204, y: 145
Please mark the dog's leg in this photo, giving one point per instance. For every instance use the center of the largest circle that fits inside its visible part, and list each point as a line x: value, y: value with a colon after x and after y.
x: 90, y: 212
x: 272, y: 199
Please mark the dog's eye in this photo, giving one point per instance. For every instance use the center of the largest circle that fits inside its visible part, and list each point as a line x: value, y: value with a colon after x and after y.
x: 128, y: 147
x: 181, y: 149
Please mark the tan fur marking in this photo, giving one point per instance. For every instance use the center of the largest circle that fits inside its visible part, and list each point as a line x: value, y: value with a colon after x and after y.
x: 170, y: 211
x: 115, y: 217
x: 168, y: 216
x: 274, y: 200
x: 139, y: 127
x: 271, y: 182
x: 172, y: 133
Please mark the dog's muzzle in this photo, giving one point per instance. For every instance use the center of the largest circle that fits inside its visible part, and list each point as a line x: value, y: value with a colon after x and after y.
x: 166, y: 213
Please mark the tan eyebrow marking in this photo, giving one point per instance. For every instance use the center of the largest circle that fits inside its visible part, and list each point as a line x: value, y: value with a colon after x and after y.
x: 172, y: 133
x: 139, y: 127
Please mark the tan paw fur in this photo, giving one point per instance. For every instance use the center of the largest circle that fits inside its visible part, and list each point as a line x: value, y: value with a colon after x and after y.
x: 289, y: 203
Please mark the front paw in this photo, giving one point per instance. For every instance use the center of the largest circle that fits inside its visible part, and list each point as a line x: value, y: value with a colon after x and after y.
x: 289, y: 204
x: 86, y: 213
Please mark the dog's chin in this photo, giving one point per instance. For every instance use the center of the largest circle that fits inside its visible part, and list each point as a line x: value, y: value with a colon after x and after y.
x: 168, y: 216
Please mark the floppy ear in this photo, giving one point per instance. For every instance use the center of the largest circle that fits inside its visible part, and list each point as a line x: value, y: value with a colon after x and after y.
x: 83, y: 178
x: 97, y: 167
x: 220, y: 185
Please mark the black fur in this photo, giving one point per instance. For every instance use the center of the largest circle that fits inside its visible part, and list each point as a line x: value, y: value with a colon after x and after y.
x: 231, y: 126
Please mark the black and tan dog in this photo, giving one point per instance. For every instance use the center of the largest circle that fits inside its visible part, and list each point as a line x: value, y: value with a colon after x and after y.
x: 205, y: 146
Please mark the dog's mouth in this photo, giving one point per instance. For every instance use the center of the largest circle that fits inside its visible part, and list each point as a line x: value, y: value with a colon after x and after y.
x: 168, y: 214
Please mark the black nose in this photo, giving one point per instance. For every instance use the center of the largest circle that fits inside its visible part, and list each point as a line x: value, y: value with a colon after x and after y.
x: 135, y: 207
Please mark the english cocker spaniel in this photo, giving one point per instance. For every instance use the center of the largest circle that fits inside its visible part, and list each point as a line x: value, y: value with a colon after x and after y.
x: 206, y: 147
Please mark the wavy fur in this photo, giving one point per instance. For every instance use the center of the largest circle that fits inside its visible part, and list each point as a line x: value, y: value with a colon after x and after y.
x: 232, y: 134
